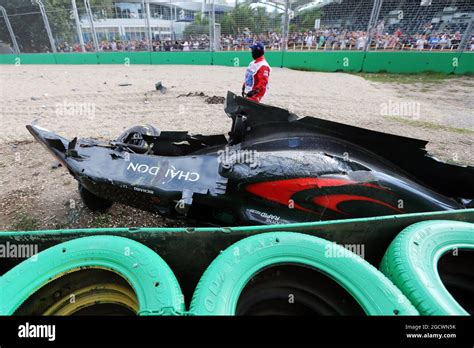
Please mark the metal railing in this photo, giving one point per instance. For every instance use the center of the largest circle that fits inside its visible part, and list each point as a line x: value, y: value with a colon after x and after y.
x: 325, y: 25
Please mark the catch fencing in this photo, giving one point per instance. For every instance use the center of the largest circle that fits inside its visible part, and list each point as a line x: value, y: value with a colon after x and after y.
x: 73, y: 26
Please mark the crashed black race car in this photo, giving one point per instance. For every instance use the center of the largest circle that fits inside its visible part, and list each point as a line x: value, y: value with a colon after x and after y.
x: 271, y: 168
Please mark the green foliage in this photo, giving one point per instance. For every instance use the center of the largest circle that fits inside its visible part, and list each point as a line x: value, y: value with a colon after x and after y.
x: 24, y: 222
x: 242, y: 17
x: 102, y: 220
x: 28, y: 25
x: 227, y: 23
x: 261, y: 17
x: 31, y: 35
x: 200, y: 26
x: 305, y: 20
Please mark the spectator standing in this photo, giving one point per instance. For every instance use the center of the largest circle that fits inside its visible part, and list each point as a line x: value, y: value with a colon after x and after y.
x: 309, y: 40
x: 420, y: 43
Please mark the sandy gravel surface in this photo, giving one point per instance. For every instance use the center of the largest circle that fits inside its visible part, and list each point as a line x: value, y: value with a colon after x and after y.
x: 33, y: 195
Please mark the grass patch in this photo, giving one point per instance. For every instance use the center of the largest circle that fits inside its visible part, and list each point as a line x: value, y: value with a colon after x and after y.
x: 408, y: 78
x: 301, y: 68
x: 426, y: 90
x: 61, y: 225
x: 429, y: 125
x: 25, y: 222
x: 467, y: 82
x: 101, y: 220
x: 425, y: 77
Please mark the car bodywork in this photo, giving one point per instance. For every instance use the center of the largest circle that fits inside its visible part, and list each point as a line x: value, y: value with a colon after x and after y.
x: 272, y: 168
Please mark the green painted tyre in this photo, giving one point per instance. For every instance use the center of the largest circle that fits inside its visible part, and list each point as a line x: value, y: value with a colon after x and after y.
x: 412, y: 261
x: 221, y: 285
x: 156, y: 288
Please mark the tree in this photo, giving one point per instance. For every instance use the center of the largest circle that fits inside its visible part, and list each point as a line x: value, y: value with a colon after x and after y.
x: 243, y: 17
x: 199, y: 26
x: 305, y: 20
x: 227, y: 23
x: 28, y: 24
x: 261, y: 20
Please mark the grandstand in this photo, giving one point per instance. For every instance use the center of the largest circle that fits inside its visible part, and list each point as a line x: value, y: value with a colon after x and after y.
x: 351, y: 15
x: 440, y: 16
x: 410, y: 16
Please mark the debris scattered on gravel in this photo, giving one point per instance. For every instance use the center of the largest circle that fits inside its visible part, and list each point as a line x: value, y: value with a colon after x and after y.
x: 159, y: 87
x: 124, y: 84
x: 215, y: 100
x: 209, y: 99
x: 56, y: 164
x: 193, y: 94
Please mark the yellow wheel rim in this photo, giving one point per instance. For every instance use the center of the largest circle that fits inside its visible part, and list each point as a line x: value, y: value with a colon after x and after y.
x: 106, y: 293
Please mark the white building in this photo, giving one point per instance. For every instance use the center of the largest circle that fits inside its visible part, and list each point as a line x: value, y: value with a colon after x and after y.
x: 167, y: 19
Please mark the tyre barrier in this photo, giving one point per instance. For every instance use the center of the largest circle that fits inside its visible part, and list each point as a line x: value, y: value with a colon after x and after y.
x: 413, y: 258
x: 221, y: 285
x: 152, y: 287
x: 265, y: 267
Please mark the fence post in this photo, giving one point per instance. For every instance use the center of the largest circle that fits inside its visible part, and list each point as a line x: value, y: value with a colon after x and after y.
x: 78, y: 25
x: 467, y: 36
x: 374, y: 16
x: 46, y: 25
x: 146, y: 12
x: 212, y: 28
x: 211, y: 31
x: 172, y: 22
x: 286, y: 25
x: 91, y: 21
x: 10, y: 30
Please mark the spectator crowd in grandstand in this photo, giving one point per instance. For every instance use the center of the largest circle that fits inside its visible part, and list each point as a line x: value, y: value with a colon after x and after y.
x: 323, y: 39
